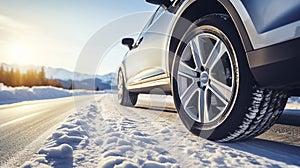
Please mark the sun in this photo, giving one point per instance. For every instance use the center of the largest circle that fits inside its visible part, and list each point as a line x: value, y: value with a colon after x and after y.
x: 20, y: 53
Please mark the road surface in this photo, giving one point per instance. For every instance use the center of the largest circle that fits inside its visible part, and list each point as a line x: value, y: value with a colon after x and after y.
x: 25, y: 126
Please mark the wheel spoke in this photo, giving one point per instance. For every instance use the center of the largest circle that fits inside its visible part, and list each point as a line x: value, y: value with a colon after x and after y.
x: 203, y: 107
x: 196, y: 52
x: 216, y: 54
x: 186, y: 71
x: 221, y: 90
x: 188, y: 94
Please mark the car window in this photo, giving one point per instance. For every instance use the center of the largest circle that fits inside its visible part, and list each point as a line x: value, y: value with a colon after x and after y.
x: 157, y: 13
x: 153, y: 18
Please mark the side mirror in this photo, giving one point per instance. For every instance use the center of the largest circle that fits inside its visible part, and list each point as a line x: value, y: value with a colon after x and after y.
x: 128, y: 42
x: 164, y: 3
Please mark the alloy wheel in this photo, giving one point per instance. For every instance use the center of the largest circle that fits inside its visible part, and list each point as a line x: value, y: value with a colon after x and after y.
x: 206, y: 78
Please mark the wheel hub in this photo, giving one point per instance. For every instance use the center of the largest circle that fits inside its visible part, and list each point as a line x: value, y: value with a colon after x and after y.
x: 204, y: 78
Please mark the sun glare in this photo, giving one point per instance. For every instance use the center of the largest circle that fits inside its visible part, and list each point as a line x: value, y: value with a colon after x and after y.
x: 20, y: 53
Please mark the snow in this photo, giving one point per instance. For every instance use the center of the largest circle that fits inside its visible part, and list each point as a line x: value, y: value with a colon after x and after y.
x: 105, y: 134
x: 10, y: 95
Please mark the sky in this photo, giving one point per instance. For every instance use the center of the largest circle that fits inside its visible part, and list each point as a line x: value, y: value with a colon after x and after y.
x: 54, y: 33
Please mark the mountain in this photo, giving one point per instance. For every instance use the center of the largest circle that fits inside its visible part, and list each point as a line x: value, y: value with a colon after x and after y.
x: 70, y: 79
x: 62, y: 74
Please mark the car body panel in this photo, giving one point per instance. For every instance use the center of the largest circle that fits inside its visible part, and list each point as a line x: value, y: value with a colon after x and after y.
x: 148, y: 64
x: 269, y: 23
x: 148, y: 59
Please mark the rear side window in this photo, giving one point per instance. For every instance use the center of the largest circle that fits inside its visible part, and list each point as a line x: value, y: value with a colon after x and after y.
x: 157, y: 13
x: 153, y: 18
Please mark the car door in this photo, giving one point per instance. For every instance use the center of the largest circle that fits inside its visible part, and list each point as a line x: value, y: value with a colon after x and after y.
x: 146, y: 59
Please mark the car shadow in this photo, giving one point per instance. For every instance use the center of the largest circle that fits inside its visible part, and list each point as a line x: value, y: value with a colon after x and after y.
x: 278, y: 151
x: 290, y: 117
x: 163, y: 109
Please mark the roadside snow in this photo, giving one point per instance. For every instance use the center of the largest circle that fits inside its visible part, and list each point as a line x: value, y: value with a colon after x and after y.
x: 104, y: 134
x: 13, y: 95
x: 293, y: 103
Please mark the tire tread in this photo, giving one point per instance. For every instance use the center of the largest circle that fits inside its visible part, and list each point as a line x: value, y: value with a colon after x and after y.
x: 265, y: 108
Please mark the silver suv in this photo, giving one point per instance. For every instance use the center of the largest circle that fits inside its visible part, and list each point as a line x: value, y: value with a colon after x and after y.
x: 230, y: 65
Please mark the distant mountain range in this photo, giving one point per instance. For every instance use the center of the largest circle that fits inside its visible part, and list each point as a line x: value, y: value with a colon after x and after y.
x: 70, y: 79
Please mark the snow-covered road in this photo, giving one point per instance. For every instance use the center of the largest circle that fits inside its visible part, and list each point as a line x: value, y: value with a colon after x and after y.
x: 104, y: 134
x: 25, y: 126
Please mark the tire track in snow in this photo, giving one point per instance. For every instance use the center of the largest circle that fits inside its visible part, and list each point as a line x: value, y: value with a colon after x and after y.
x: 110, y: 135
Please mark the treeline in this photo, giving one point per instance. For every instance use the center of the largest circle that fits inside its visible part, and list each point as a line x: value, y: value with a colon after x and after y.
x: 14, y: 77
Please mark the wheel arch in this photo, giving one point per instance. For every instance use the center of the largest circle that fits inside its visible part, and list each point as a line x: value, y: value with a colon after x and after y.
x: 198, y: 8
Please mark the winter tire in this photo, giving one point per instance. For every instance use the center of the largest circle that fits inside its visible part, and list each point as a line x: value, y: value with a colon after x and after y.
x: 125, y: 97
x: 214, y: 91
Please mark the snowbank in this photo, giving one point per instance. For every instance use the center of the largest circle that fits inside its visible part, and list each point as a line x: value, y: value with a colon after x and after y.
x: 13, y: 95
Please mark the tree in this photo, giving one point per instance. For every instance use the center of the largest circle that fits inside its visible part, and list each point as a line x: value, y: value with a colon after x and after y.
x: 42, y: 76
x: 9, y: 77
x: 17, y: 78
x: 2, y: 71
x: 14, y: 77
